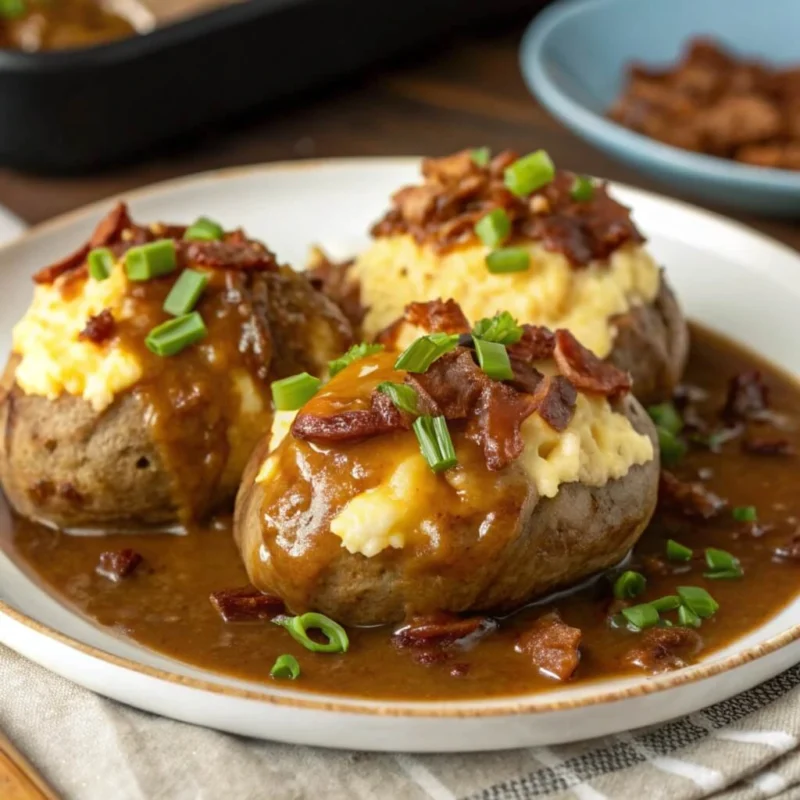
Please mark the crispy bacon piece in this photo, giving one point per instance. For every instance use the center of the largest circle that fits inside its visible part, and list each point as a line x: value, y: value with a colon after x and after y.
x: 748, y: 397
x: 245, y: 604
x: 233, y: 253
x: 691, y: 499
x: 437, y: 316
x: 58, y: 268
x: 457, y: 192
x: 664, y: 649
x: 585, y: 370
x: 332, y: 279
x: 768, y: 447
x: 555, y: 399
x: 451, y: 386
x: 99, y: 328
x: 553, y: 646
x: 537, y: 344
x: 118, y: 564
x: 382, y: 417
x: 441, y: 629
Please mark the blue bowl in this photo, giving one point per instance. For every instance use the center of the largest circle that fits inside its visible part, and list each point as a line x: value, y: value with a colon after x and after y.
x: 574, y: 56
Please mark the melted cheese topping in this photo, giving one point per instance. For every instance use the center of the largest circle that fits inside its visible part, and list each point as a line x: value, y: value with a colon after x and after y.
x: 395, y: 271
x: 53, y: 360
x: 598, y: 445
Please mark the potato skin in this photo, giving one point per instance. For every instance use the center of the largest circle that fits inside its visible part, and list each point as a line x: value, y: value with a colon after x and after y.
x: 556, y: 542
x: 652, y: 343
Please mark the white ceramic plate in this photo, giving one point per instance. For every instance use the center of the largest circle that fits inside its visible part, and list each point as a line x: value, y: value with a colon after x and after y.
x: 727, y: 276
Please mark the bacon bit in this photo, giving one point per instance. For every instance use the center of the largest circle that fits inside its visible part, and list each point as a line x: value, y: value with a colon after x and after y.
x: 382, y: 417
x: 537, y: 344
x: 526, y: 377
x: 437, y: 316
x: 118, y: 564
x: 748, y: 397
x: 664, y: 649
x: 331, y: 278
x: 99, y: 328
x: 585, y: 370
x: 691, y: 499
x: 441, y: 629
x: 231, y: 253
x: 553, y: 646
x: 555, y: 400
x: 245, y: 604
x: 457, y: 192
x: 768, y: 447
x: 110, y: 228
x: 66, y: 264
x: 451, y: 386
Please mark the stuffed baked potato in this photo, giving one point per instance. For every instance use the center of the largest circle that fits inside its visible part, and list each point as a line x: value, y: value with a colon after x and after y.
x: 551, y: 247
x: 139, y: 380
x: 420, y: 483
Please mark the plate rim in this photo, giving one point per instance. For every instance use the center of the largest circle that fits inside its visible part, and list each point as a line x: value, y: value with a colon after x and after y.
x: 513, y: 705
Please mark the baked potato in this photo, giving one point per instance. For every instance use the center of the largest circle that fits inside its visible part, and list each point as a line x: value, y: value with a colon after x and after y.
x: 554, y: 250
x: 111, y: 420
x: 552, y: 477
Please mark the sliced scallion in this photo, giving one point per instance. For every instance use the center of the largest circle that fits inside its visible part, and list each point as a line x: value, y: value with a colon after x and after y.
x: 582, y: 189
x: 508, y: 259
x: 285, y: 666
x: 420, y: 354
x: 667, y: 603
x: 529, y: 173
x: 720, y: 559
x: 493, y: 359
x: 185, y: 293
x: 176, y: 334
x: 672, y: 448
x: 356, y: 352
x: 404, y: 397
x: 698, y: 600
x: 205, y: 229
x: 724, y: 574
x: 101, y: 262
x: 289, y: 394
x: 745, y: 514
x: 481, y: 156
x: 677, y: 551
x: 688, y: 618
x: 628, y: 585
x: 435, y: 442
x: 493, y: 229
x: 334, y: 633
x: 13, y: 9
x: 666, y: 417
x: 502, y: 328
x: 151, y: 260
x: 641, y: 616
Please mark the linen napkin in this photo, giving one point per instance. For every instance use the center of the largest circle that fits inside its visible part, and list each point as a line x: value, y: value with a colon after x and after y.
x: 90, y: 748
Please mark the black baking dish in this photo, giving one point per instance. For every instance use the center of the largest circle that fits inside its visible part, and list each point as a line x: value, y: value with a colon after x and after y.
x: 68, y: 111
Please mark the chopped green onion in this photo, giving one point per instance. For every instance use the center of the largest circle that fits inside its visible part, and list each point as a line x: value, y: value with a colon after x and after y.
x: 677, y: 551
x: 582, y: 189
x: 666, y: 417
x: 101, y: 262
x: 298, y: 627
x: 185, y: 293
x: 641, y: 616
x: 698, y: 600
x: 13, y: 9
x: 720, y: 559
x: 529, y: 173
x: 151, y: 260
x: 493, y: 229
x: 745, y: 514
x: 289, y: 394
x: 502, y: 328
x: 435, y: 442
x: 204, y: 228
x: 404, y: 397
x: 672, y: 449
x: 420, y: 354
x: 688, y: 618
x: 629, y: 584
x: 493, y: 359
x: 724, y: 574
x: 508, y: 259
x: 481, y: 156
x: 176, y: 334
x: 285, y: 666
x: 667, y: 603
x: 355, y: 353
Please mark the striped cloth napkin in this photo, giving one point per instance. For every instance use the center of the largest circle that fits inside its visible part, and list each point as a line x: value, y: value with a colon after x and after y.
x: 91, y: 748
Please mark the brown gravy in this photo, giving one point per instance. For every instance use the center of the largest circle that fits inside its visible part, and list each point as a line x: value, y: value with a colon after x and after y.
x: 165, y: 605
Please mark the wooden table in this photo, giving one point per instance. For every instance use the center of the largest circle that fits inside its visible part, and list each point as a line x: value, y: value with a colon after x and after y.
x: 469, y: 93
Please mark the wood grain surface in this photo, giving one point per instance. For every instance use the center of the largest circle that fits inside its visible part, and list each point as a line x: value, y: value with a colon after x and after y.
x: 18, y: 778
x: 464, y: 92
